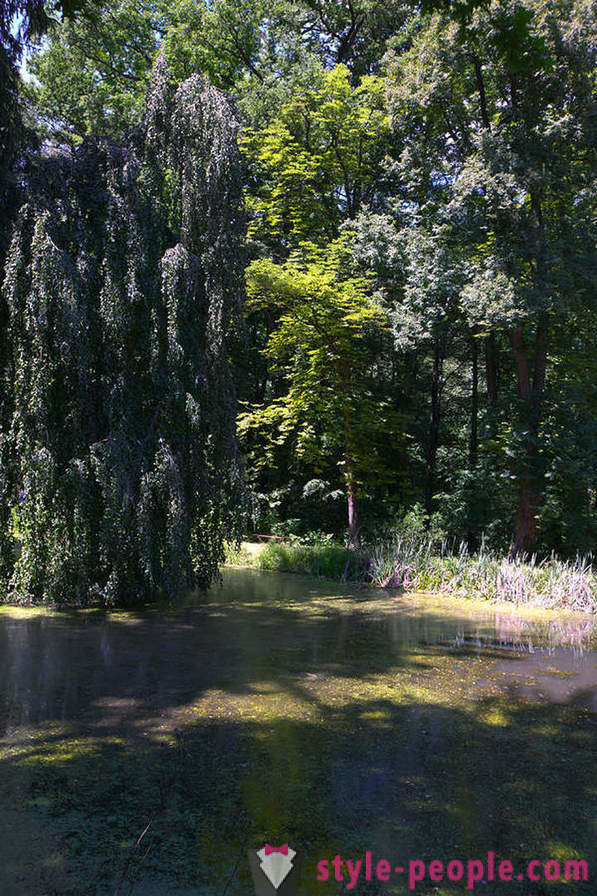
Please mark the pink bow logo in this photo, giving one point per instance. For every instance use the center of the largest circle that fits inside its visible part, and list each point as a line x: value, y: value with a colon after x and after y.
x: 281, y: 849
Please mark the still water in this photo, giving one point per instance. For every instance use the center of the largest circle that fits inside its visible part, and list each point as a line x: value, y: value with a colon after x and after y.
x: 278, y: 709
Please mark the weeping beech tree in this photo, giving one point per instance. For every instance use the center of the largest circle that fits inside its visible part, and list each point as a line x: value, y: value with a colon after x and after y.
x: 124, y: 285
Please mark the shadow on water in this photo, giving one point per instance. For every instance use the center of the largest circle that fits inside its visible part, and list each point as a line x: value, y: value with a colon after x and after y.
x: 289, y: 711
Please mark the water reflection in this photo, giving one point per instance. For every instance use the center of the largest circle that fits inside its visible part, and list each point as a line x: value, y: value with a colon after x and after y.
x: 278, y: 707
x: 59, y: 666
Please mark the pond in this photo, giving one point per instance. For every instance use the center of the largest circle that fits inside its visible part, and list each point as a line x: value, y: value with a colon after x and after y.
x: 284, y: 710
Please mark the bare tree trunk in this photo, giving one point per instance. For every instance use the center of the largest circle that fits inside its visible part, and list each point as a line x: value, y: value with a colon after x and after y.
x: 434, y: 423
x: 473, y: 445
x: 530, y: 392
x: 354, y: 539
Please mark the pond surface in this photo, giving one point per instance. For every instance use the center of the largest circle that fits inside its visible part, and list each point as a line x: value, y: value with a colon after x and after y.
x: 283, y: 710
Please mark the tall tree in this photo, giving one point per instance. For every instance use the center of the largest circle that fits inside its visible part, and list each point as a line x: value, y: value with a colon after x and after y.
x: 321, y: 343
x: 91, y: 73
x: 123, y: 284
x: 500, y: 140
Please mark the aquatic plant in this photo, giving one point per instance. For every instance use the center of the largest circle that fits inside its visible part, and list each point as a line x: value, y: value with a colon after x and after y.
x: 415, y: 564
x: 414, y: 560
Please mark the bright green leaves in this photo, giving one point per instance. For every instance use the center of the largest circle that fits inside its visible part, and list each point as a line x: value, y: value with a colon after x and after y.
x: 315, y: 166
x: 322, y: 345
x: 318, y: 162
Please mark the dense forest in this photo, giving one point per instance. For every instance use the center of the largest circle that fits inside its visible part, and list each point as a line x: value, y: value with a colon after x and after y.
x: 410, y: 190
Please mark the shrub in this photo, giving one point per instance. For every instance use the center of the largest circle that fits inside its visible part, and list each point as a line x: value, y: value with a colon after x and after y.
x: 327, y: 559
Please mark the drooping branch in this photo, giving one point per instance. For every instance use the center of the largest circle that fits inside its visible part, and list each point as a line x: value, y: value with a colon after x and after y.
x: 124, y: 283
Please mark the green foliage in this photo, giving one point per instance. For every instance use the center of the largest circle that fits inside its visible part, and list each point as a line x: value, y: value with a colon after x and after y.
x: 498, y: 168
x: 91, y: 75
x: 23, y: 21
x: 328, y: 560
x: 318, y: 161
x: 120, y: 425
x: 434, y: 166
x: 92, y: 71
x: 327, y: 330
x: 236, y: 554
x: 11, y: 138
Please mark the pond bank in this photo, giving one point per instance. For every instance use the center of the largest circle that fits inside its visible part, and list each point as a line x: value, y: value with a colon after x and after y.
x: 415, y: 566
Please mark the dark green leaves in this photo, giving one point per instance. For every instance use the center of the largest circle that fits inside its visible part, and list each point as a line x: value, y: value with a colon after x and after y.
x: 119, y: 427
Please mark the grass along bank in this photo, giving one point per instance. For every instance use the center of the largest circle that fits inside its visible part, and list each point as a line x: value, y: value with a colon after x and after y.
x: 412, y: 563
x: 325, y: 559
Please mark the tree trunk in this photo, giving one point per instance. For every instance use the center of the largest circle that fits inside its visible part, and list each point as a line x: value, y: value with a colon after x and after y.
x: 354, y: 540
x: 473, y: 445
x: 344, y: 376
x: 434, y: 422
x: 530, y: 393
x: 525, y: 532
x: 491, y: 369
